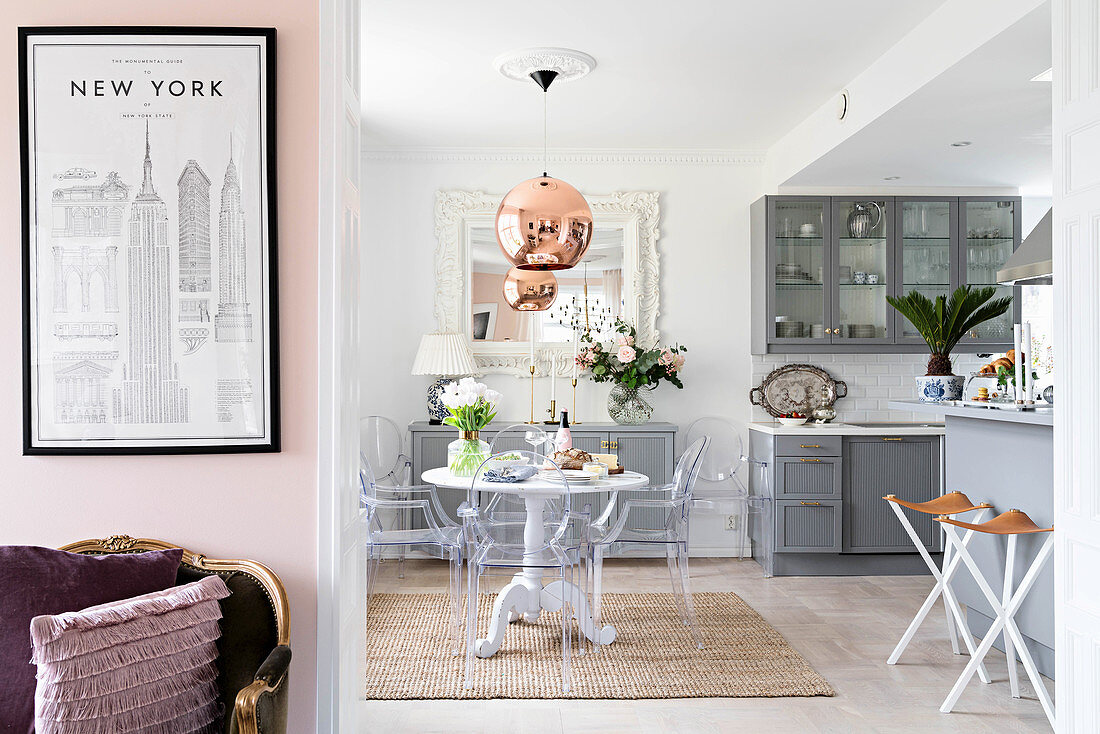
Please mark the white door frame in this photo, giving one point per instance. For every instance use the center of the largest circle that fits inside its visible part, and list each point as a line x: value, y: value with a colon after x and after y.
x: 340, y: 611
x: 1076, y: 136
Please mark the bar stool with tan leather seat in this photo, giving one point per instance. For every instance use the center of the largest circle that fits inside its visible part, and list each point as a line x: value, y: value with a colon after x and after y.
x: 1013, y: 523
x: 953, y: 503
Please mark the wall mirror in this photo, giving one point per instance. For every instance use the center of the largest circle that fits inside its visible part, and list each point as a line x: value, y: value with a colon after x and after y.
x: 618, y: 276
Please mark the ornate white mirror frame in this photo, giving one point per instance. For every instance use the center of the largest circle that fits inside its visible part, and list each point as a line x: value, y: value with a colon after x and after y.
x: 457, y: 212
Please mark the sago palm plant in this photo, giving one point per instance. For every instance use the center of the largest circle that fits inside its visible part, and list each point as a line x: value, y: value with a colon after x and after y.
x: 943, y: 323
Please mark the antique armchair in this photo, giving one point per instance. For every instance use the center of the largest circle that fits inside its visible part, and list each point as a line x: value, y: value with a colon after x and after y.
x: 254, y: 647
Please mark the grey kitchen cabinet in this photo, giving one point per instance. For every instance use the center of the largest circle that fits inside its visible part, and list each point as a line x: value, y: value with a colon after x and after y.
x: 875, y: 466
x: 648, y: 449
x: 807, y: 476
x: 807, y: 297
x: 829, y: 516
x: 808, y: 526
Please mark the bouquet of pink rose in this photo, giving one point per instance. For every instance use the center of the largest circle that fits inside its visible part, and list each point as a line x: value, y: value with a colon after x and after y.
x: 626, y: 363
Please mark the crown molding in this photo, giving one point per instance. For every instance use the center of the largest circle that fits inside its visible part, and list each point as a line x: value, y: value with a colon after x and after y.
x: 574, y: 155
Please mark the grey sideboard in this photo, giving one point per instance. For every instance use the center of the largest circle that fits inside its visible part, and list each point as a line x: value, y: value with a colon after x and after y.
x: 827, y: 486
x: 648, y: 448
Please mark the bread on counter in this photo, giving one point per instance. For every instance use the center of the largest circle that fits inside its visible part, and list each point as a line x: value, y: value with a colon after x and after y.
x: 1008, y: 362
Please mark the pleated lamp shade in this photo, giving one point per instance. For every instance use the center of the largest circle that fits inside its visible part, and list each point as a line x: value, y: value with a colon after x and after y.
x: 444, y: 354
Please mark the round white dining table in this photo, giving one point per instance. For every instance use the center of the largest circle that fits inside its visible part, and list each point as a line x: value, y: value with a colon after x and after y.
x: 525, y: 597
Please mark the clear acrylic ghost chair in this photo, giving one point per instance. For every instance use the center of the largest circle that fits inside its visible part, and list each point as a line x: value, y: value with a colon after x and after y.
x: 720, y: 489
x: 438, y: 534
x: 676, y: 500
x: 383, y: 444
x: 528, y: 545
x: 540, y: 441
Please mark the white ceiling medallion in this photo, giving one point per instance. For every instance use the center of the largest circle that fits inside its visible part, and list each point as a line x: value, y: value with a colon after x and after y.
x: 569, y: 64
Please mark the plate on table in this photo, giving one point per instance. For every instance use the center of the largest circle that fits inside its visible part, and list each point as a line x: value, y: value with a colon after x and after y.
x: 572, y: 476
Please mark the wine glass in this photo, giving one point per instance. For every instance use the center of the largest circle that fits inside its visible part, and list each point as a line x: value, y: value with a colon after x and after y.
x: 536, y: 437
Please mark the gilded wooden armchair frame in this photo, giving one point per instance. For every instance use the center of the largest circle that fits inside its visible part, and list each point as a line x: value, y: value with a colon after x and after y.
x: 247, y: 701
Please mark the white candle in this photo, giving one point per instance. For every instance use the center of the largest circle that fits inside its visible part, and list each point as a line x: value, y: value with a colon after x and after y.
x: 1017, y: 337
x: 553, y: 373
x: 1029, y: 380
x: 576, y: 344
x: 531, y: 339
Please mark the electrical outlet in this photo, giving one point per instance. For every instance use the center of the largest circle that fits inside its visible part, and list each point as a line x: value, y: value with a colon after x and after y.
x: 732, y: 521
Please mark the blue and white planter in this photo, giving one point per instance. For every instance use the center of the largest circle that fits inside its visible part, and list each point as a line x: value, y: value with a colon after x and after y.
x: 937, y: 388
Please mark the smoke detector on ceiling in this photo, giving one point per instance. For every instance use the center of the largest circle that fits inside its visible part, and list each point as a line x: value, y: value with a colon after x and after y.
x: 566, y: 63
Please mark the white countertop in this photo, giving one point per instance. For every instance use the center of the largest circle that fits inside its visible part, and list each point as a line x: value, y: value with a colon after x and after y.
x: 1043, y: 416
x: 774, y: 428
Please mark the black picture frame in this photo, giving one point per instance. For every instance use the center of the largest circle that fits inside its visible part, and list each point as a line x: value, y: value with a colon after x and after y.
x: 272, y: 440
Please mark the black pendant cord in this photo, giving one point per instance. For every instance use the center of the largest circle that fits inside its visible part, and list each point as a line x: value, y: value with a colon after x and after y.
x: 544, y: 78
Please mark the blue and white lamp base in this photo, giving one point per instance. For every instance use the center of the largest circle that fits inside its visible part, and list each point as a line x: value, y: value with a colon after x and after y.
x: 937, y: 388
x: 437, y: 411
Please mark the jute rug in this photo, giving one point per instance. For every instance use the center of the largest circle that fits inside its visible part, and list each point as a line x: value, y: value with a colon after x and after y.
x: 653, y: 656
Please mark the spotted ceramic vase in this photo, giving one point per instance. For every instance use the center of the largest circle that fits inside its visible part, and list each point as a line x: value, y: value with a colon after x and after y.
x: 937, y: 388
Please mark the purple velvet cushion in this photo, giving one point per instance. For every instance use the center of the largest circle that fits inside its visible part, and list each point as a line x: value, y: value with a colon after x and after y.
x: 35, y: 581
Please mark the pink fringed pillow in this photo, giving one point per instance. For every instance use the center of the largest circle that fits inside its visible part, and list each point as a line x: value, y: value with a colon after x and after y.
x: 145, y: 664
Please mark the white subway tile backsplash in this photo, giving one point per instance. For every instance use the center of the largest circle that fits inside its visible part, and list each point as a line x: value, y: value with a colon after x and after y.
x: 873, y: 380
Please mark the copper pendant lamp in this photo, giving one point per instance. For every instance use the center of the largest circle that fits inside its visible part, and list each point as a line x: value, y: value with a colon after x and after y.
x: 530, y: 290
x: 544, y: 223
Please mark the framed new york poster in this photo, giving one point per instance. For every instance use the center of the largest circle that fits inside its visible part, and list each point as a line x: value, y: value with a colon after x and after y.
x: 149, y: 281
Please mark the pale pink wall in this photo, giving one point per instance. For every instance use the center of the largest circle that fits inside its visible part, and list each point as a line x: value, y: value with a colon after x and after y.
x: 259, y: 506
x: 485, y: 288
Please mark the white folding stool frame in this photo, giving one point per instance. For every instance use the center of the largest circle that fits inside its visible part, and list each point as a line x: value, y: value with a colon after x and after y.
x: 1005, y: 608
x: 942, y: 588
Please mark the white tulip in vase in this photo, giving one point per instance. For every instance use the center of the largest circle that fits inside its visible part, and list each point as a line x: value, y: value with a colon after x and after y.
x: 472, y: 406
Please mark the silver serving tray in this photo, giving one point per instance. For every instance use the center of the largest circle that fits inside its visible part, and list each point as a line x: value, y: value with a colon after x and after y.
x: 796, y: 388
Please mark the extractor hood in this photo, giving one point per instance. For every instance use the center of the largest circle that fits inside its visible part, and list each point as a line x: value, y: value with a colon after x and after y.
x: 1031, y: 264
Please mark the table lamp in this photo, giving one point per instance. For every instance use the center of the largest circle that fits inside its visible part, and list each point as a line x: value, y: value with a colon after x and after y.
x: 447, y: 356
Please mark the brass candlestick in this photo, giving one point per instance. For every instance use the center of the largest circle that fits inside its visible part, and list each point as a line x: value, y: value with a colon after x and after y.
x: 532, y: 421
x: 574, y: 413
x: 552, y: 410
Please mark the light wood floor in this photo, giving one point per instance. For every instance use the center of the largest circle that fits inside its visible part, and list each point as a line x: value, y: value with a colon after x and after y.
x: 845, y: 628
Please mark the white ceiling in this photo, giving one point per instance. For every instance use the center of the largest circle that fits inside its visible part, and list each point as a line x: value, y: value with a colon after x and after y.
x: 987, y: 98
x: 693, y: 74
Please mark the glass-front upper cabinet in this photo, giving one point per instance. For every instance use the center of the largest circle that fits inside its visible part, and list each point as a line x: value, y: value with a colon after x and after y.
x: 823, y: 267
x: 926, y: 263
x: 989, y: 230
x: 799, y: 259
x: 862, y: 271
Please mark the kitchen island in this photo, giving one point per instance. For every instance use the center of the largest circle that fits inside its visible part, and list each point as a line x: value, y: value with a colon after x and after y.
x: 1005, y: 458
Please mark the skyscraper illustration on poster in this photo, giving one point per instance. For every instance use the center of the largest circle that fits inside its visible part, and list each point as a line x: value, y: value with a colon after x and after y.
x: 151, y: 390
x: 233, y: 322
x: 194, y: 228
